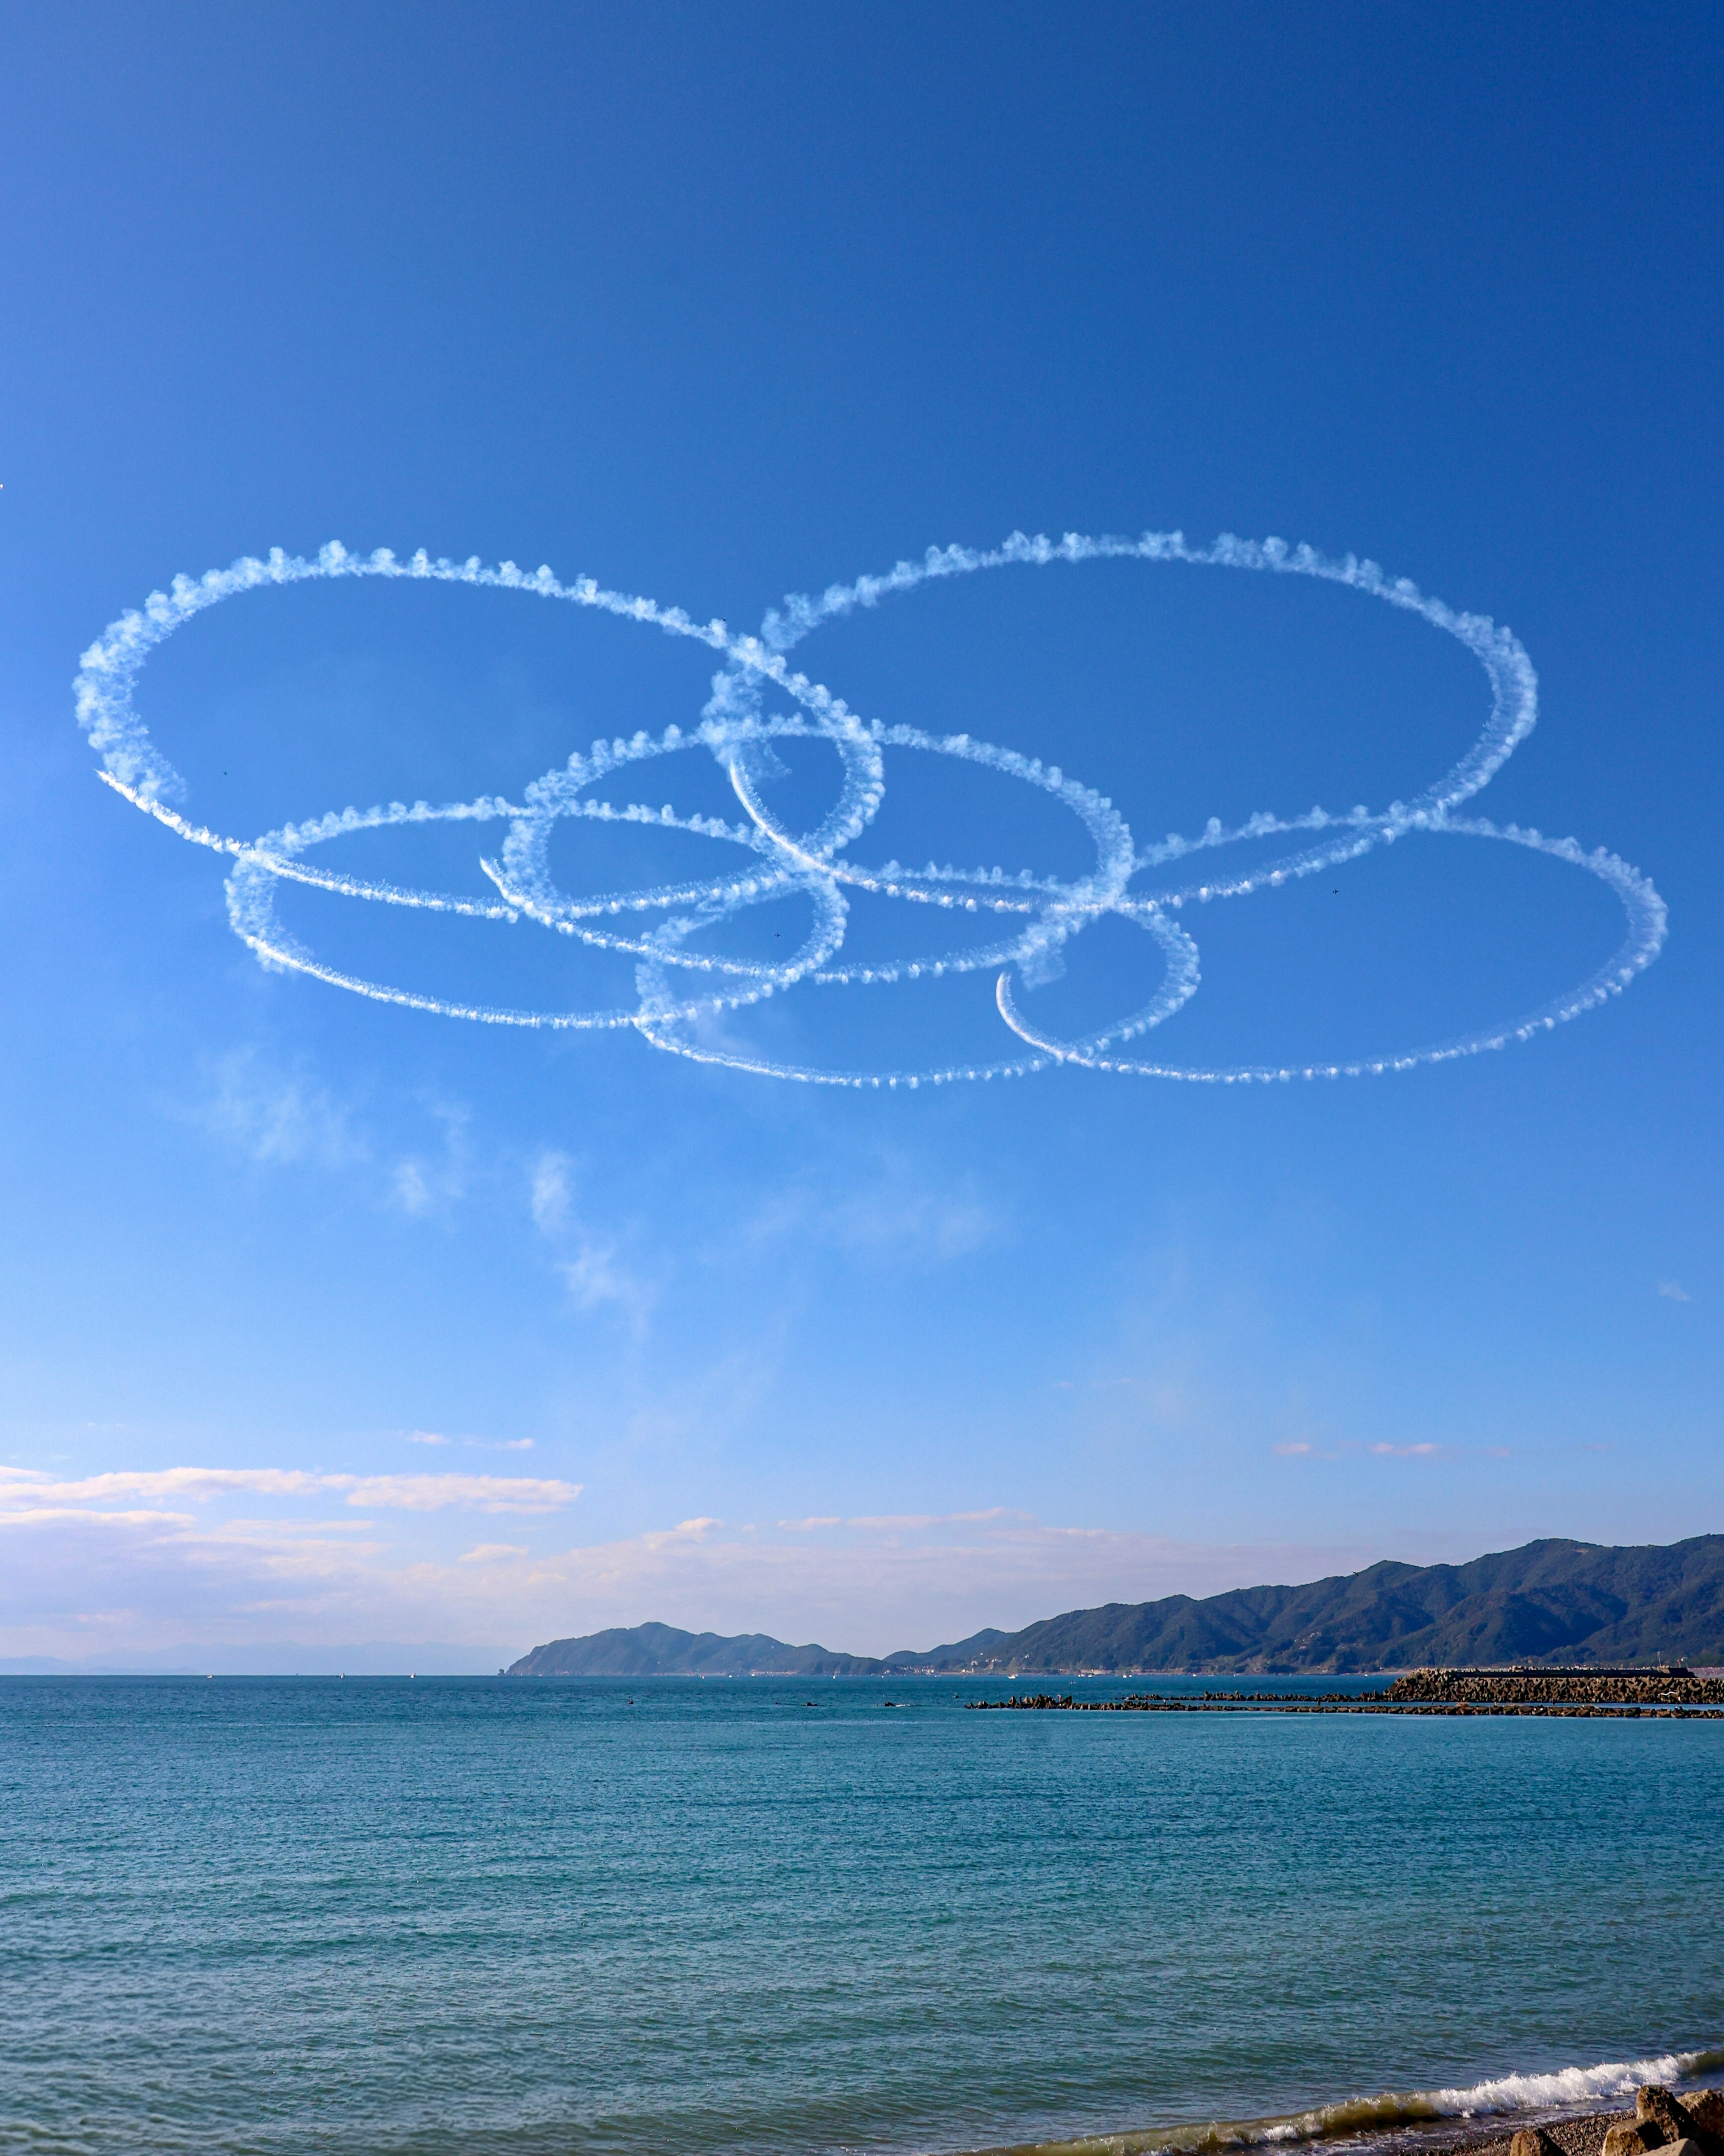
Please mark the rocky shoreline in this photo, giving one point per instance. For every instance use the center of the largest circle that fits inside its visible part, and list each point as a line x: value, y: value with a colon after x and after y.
x: 1687, y: 2126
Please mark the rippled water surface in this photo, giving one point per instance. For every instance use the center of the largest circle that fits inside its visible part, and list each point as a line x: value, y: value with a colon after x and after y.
x: 486, y: 1915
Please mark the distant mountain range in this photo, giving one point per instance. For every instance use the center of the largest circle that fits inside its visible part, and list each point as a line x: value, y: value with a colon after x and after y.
x: 1579, y: 1605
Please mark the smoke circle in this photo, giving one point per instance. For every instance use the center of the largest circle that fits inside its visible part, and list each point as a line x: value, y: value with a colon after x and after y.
x: 682, y: 987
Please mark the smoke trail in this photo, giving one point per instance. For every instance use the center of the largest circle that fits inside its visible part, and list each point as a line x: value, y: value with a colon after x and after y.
x: 680, y: 984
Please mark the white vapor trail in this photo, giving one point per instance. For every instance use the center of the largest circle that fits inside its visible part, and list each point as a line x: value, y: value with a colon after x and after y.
x: 679, y: 982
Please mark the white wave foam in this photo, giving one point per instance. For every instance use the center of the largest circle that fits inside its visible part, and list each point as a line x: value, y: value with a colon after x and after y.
x: 1364, y: 2119
x: 1568, y: 2085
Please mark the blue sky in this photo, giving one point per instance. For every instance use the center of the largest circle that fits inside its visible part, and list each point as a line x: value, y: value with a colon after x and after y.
x: 327, y: 1321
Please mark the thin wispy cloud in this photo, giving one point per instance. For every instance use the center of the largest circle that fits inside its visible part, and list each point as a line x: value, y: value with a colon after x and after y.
x: 1352, y: 1448
x: 1674, y: 1291
x: 287, y: 1118
x: 435, y: 1179
x: 26, y: 1492
x: 414, y: 1192
x: 277, y: 1117
x: 595, y: 1275
x: 594, y: 1278
x: 549, y: 1193
x: 474, y: 1444
x: 890, y: 1205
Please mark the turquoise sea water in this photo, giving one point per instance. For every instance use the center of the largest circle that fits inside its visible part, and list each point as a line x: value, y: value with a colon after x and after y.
x: 507, y: 1917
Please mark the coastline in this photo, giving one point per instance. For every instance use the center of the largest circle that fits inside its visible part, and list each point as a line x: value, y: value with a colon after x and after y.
x: 1576, y: 2133
x: 1571, y: 2110
x: 1583, y: 2135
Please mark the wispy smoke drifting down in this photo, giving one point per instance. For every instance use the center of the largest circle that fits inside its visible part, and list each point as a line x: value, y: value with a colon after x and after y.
x: 668, y: 927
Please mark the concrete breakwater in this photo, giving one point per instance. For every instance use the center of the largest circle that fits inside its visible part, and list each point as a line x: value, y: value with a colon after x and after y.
x: 1656, y: 1687
x: 1337, y: 1704
x: 1624, y: 1695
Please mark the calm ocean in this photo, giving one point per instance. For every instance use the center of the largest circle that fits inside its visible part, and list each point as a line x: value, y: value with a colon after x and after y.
x: 503, y: 1917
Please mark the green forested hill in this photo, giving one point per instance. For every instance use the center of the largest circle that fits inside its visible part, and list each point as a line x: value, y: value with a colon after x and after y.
x: 1555, y: 1602
x: 651, y: 1650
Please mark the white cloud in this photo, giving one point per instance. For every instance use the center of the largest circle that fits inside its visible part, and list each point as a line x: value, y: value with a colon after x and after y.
x: 107, y: 1565
x: 894, y: 1206
x: 873, y: 1585
x: 551, y: 1192
x: 1675, y: 1291
x: 283, y: 1118
x: 427, y: 1182
x: 473, y: 1443
x: 593, y: 1276
x: 25, y: 1491
x: 590, y: 1268
x: 1350, y: 1449
x: 278, y: 1117
x: 412, y: 1192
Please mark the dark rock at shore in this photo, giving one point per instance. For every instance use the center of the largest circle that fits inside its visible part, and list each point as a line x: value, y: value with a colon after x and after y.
x: 1574, y: 2136
x: 1630, y: 2139
x: 1656, y: 2106
x: 1705, y: 2108
x: 1534, y: 2141
x: 1680, y: 2119
x: 1592, y: 2133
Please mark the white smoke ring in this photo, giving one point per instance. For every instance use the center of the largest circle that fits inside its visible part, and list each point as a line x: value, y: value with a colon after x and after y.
x: 135, y: 767
x: 1513, y: 714
x: 732, y: 725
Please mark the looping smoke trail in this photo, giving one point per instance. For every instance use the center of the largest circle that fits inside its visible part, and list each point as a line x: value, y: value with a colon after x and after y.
x: 679, y: 983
